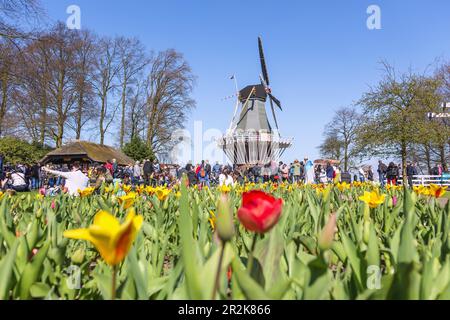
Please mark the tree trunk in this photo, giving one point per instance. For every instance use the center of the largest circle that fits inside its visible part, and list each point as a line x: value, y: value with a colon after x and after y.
x: 404, y: 155
x: 122, y: 123
x: 43, y: 123
x: 59, y: 138
x: 428, y: 158
x: 61, y: 116
x: 443, y: 157
x: 79, y: 123
x: 102, y: 120
x: 346, y: 158
x: 4, y: 99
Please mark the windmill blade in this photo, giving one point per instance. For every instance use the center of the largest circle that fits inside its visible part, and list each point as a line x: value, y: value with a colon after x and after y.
x: 263, y: 62
x: 274, y: 115
x: 264, y: 83
x: 276, y: 101
x: 269, y: 93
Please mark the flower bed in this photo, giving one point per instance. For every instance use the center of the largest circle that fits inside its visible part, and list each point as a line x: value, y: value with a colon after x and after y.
x: 281, y: 242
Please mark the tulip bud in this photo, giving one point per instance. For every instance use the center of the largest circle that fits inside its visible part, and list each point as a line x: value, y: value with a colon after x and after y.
x: 414, y: 197
x: 394, y: 200
x: 366, y: 232
x: 224, y: 219
x: 390, y: 203
x: 78, y: 256
x: 327, y: 235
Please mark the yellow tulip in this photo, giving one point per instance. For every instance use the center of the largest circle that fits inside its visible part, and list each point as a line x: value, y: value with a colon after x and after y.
x: 140, y: 189
x: 373, y: 199
x: 212, y: 220
x: 86, y: 192
x: 225, y: 189
x: 127, y: 200
x: 343, y: 186
x: 437, y: 191
x: 392, y: 187
x: 38, y: 197
x: 111, y: 239
x: 126, y: 188
x: 422, y: 190
x: 162, y: 193
x: 150, y: 190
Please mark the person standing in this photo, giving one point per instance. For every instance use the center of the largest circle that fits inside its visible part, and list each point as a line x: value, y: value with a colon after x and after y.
x: 74, y: 180
x: 208, y: 168
x: 137, y: 173
x: 217, y: 168
x: 109, y: 167
x: 115, y: 169
x: 330, y: 173
x: 309, y: 171
x: 225, y: 179
x: 35, y: 174
x: 256, y: 171
x: 148, y: 172
x: 362, y: 175
x: 203, y: 177
x: 284, y: 172
x: 370, y: 174
x: 382, y: 169
x: 392, y: 174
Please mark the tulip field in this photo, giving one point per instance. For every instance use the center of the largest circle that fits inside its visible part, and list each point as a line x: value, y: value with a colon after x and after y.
x: 257, y: 241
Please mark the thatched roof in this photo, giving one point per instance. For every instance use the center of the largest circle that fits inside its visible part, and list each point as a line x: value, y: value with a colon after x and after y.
x: 87, y: 151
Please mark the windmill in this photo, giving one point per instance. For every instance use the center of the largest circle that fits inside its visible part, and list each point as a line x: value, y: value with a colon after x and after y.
x: 251, y: 139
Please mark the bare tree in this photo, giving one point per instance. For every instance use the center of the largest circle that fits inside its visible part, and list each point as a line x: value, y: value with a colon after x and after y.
x: 62, y: 94
x: 85, y: 52
x: 133, y: 60
x: 135, y: 123
x: 105, y: 83
x: 15, y: 15
x: 7, y: 64
x: 331, y: 147
x: 340, y: 136
x: 170, y: 84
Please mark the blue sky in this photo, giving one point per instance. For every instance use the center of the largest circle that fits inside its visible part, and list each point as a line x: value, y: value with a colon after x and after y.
x: 320, y: 54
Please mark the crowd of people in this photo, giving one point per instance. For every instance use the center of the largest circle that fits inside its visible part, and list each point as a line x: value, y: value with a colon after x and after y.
x: 74, y: 177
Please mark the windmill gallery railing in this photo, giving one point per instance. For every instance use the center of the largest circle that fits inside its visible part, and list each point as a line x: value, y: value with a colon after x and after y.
x: 253, y: 148
x: 426, y: 180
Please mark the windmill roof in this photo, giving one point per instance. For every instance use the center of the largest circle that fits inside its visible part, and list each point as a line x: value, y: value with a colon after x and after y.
x: 260, y: 93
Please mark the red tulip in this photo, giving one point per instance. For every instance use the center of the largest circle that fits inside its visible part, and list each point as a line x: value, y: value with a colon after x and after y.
x: 229, y: 273
x: 260, y: 211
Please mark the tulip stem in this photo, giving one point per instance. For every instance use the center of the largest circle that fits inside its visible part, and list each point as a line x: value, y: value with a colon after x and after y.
x: 216, y: 283
x: 113, y: 287
x: 250, y: 256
